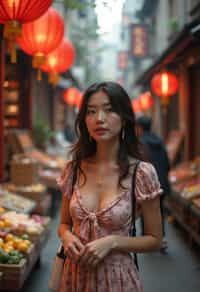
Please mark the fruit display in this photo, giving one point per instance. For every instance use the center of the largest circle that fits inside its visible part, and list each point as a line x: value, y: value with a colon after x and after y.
x: 22, y: 223
x: 15, y: 202
x: 181, y: 173
x: 37, y: 188
x: 178, y: 187
x: 191, y: 192
x: 11, y: 257
x: 10, y: 242
x: 185, y: 170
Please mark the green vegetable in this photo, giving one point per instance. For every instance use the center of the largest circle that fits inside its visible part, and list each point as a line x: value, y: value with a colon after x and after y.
x: 25, y: 237
x: 4, y: 257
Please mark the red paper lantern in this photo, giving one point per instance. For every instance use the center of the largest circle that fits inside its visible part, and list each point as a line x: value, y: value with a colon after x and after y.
x: 71, y: 95
x: 79, y: 99
x: 136, y: 105
x: 164, y: 84
x: 15, y: 12
x: 146, y: 101
x: 42, y: 36
x: 61, y: 59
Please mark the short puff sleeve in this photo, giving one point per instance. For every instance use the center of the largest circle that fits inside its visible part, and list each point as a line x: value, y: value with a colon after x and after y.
x: 64, y: 181
x: 147, y: 185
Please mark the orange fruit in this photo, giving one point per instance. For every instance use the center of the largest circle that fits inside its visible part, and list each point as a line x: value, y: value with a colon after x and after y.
x: 22, y: 247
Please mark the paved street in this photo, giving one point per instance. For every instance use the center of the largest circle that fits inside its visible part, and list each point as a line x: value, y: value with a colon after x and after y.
x: 178, y: 271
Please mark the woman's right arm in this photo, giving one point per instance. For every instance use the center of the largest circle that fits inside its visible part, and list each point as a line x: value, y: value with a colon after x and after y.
x: 65, y: 223
x: 72, y: 244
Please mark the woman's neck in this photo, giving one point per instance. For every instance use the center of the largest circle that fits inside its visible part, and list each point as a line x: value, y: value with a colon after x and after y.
x: 107, y: 152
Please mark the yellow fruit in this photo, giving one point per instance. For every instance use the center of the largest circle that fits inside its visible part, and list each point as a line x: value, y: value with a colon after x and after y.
x: 2, y: 225
x: 9, y: 237
x: 10, y: 243
x: 7, y: 223
x: 16, y: 241
x: 8, y: 248
x: 27, y: 242
x: 2, y: 210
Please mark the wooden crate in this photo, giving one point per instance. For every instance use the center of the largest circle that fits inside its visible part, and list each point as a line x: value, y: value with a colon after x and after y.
x: 13, y: 276
x: 24, y: 172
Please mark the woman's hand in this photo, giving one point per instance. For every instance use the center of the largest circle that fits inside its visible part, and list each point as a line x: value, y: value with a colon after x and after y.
x: 96, y: 250
x: 72, y: 246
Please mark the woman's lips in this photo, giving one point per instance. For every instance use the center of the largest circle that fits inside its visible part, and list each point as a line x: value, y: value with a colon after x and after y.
x: 101, y: 131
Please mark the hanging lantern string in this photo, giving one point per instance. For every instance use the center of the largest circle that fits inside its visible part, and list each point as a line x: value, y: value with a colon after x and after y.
x: 12, y: 30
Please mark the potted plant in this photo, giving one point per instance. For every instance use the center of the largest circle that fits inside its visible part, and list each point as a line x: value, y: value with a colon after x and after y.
x: 41, y: 132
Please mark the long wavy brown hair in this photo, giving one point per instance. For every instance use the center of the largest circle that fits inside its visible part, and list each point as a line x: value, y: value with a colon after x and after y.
x: 129, y: 145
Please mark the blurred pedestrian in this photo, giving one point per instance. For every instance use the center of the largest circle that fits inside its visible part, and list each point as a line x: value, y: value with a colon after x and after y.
x: 98, y: 205
x: 157, y: 154
x: 68, y: 133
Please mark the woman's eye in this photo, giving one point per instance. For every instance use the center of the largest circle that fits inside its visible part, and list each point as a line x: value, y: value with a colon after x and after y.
x: 90, y: 112
x: 109, y: 109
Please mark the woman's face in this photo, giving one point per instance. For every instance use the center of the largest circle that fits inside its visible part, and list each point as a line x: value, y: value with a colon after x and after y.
x: 102, y: 122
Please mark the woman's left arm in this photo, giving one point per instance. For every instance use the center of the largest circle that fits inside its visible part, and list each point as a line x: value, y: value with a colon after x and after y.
x: 152, y: 238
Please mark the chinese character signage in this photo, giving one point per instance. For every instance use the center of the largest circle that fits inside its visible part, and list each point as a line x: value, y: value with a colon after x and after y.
x: 122, y: 60
x: 139, y: 41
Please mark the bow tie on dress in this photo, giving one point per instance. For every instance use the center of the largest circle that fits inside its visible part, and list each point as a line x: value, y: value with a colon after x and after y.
x: 89, y: 227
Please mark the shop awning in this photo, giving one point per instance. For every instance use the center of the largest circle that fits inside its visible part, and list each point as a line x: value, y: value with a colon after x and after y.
x: 189, y: 35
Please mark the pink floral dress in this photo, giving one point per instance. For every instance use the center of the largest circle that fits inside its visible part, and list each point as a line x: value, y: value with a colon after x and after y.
x: 117, y: 271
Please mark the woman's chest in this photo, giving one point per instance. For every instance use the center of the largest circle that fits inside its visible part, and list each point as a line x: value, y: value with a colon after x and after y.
x: 115, y: 214
x: 99, y: 190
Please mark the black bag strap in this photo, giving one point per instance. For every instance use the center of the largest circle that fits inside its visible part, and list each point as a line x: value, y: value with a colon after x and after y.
x: 133, y: 198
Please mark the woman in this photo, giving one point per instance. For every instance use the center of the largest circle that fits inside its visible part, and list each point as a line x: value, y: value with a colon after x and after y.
x: 96, y: 216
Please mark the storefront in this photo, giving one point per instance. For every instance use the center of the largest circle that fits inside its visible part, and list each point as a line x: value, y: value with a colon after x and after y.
x: 182, y: 116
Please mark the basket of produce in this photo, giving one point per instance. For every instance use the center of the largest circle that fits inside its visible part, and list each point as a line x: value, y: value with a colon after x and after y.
x: 13, y: 267
x: 20, y: 224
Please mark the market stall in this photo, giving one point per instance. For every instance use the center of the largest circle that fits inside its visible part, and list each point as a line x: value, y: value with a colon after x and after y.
x: 22, y: 237
x: 184, y: 201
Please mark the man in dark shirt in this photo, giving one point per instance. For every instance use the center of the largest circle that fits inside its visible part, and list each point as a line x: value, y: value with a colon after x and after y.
x: 157, y: 155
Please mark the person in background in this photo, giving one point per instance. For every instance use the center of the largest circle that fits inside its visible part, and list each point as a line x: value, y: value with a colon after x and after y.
x: 97, y: 202
x: 157, y: 155
x: 68, y: 133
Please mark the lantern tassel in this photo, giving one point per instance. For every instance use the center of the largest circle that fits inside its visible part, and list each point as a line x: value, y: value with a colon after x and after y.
x: 12, y: 29
x: 38, y: 61
x: 39, y: 75
x: 54, y: 78
x: 13, y: 54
